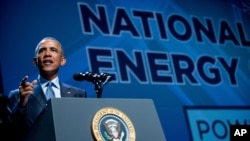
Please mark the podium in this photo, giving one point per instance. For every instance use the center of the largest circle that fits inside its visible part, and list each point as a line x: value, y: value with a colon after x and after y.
x: 76, y: 119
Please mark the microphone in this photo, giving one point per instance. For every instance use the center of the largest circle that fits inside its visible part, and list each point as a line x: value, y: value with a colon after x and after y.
x: 106, y: 78
x: 83, y: 76
x: 98, y: 79
x: 93, y: 77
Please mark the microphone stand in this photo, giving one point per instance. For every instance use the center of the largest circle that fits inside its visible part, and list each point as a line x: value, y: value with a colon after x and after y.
x: 98, y: 88
x: 100, y: 81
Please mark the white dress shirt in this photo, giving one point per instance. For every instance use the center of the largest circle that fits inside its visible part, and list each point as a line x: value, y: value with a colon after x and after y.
x: 56, y: 86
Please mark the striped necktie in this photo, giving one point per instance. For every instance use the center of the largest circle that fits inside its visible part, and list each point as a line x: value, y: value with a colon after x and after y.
x: 50, y: 93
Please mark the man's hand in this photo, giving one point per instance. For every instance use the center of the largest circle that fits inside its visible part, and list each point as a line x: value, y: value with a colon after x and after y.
x: 26, y: 89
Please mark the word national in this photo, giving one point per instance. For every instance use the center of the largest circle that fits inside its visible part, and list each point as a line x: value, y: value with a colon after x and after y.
x: 176, y: 26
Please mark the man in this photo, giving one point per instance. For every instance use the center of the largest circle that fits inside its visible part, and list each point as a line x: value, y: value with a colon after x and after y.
x: 28, y: 101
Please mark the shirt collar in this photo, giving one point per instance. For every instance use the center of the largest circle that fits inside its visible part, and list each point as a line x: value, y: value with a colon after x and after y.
x: 44, y: 81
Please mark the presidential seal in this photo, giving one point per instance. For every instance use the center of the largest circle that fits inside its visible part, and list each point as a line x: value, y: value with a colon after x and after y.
x: 111, y: 124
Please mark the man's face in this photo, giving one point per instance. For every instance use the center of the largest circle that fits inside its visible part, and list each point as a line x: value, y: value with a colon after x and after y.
x: 49, y: 57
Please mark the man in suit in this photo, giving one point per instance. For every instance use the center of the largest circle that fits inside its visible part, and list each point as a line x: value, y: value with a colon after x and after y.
x: 26, y: 103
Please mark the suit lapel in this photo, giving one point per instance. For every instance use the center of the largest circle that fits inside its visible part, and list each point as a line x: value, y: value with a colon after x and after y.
x: 65, y: 90
x: 39, y: 95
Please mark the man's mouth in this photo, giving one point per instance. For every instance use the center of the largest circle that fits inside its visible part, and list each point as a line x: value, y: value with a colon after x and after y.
x: 47, y: 62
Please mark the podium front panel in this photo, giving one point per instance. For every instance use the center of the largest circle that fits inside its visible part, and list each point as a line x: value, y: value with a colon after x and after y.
x: 72, y: 118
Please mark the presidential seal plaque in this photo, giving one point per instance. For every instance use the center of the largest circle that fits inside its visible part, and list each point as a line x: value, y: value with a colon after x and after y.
x: 111, y: 124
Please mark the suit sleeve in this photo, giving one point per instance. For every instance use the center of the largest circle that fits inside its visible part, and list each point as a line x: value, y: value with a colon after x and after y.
x: 17, y: 114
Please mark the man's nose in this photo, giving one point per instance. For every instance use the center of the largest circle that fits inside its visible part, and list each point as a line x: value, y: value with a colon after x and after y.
x: 47, y: 52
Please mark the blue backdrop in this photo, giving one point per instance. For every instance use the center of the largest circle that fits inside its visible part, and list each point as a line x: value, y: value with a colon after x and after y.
x: 191, y: 57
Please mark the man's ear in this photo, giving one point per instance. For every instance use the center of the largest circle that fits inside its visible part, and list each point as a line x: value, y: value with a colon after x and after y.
x: 35, y: 61
x: 63, y: 60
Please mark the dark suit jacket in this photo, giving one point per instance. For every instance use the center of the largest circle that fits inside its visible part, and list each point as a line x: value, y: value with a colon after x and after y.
x: 21, y: 119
